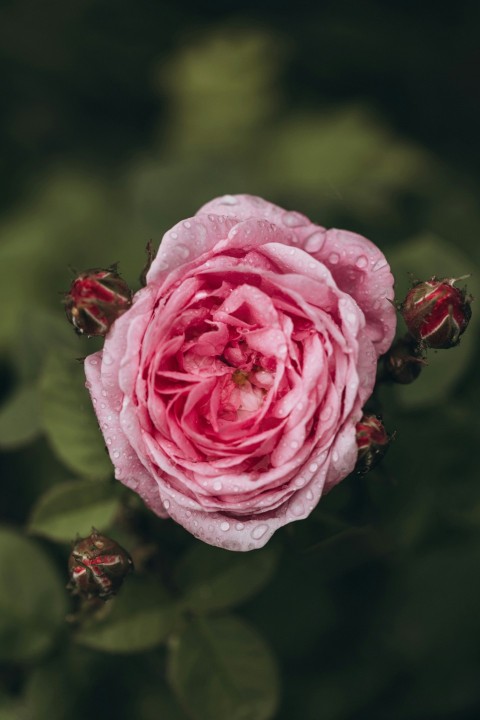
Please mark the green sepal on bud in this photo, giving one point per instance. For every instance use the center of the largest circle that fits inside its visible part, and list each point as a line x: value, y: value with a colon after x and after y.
x: 404, y: 361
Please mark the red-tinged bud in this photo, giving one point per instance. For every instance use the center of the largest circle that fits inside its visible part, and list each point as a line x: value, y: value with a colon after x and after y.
x: 436, y: 312
x: 404, y: 361
x: 372, y: 442
x: 96, y: 299
x: 98, y: 566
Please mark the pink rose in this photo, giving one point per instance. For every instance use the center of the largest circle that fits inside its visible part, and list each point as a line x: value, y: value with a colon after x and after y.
x: 228, y: 394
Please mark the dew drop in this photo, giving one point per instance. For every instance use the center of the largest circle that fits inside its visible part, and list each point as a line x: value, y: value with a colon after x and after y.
x: 225, y: 526
x: 297, y: 509
x: 259, y: 531
x: 174, y: 235
x: 217, y: 485
x: 314, y: 242
x: 187, y: 224
x: 239, y: 526
x: 116, y: 454
x: 183, y: 250
x: 313, y: 467
x: 326, y: 413
x: 309, y: 495
x: 107, y: 359
x: 93, y: 361
x: 334, y: 258
x: 294, y: 444
x: 166, y: 504
x: 109, y: 441
x: 299, y: 481
x: 229, y: 200
x: 335, y: 456
x: 103, y: 406
x: 282, y: 350
x: 362, y: 262
x: 294, y: 219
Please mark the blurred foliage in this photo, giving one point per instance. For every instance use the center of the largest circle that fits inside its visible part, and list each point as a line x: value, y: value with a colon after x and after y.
x: 115, y: 124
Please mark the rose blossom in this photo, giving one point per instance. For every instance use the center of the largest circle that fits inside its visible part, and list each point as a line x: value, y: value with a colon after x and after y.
x: 229, y: 393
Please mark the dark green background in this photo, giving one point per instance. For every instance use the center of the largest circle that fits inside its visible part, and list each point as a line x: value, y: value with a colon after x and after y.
x: 119, y: 119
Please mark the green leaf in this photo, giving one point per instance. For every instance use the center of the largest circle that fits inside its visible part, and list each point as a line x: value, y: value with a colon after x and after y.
x: 423, y: 257
x: 20, y: 418
x: 69, y: 420
x: 139, y: 619
x: 32, y: 599
x: 72, y: 508
x: 220, y: 668
x: 214, y: 579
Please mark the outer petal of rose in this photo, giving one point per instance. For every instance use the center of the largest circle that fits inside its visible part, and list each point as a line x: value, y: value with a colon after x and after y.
x: 361, y: 270
x: 227, y: 532
x: 244, y: 207
x: 128, y: 467
x: 357, y: 265
x: 343, y: 453
x: 185, y: 242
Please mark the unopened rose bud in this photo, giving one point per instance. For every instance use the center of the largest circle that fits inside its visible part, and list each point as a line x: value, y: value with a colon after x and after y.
x: 404, y: 361
x: 98, y: 566
x: 96, y: 299
x: 372, y: 442
x: 436, y: 312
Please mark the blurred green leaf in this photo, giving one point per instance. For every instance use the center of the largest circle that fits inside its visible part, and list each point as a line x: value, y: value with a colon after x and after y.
x: 72, y: 508
x: 38, y: 331
x: 213, y: 579
x: 68, y: 417
x: 423, y: 257
x: 140, y: 618
x: 220, y: 668
x: 20, y: 418
x: 156, y: 701
x: 32, y: 599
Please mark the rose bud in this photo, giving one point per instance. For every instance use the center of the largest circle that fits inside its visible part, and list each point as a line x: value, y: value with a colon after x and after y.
x: 372, y: 442
x: 96, y: 299
x: 437, y: 313
x: 98, y: 566
x: 404, y: 361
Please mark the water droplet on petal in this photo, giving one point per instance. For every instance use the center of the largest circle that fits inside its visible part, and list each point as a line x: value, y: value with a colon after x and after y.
x: 326, y: 413
x: 314, y: 242
x: 239, y: 526
x: 297, y: 509
x: 294, y: 219
x: 183, y: 251
x: 107, y: 359
x: 116, y: 454
x: 217, y: 485
x: 362, y: 261
x: 225, y: 526
x: 309, y: 495
x: 174, y: 235
x: 334, y: 258
x: 229, y: 200
x: 166, y: 504
x: 259, y: 531
x: 335, y: 456
x: 313, y: 467
x: 187, y: 224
